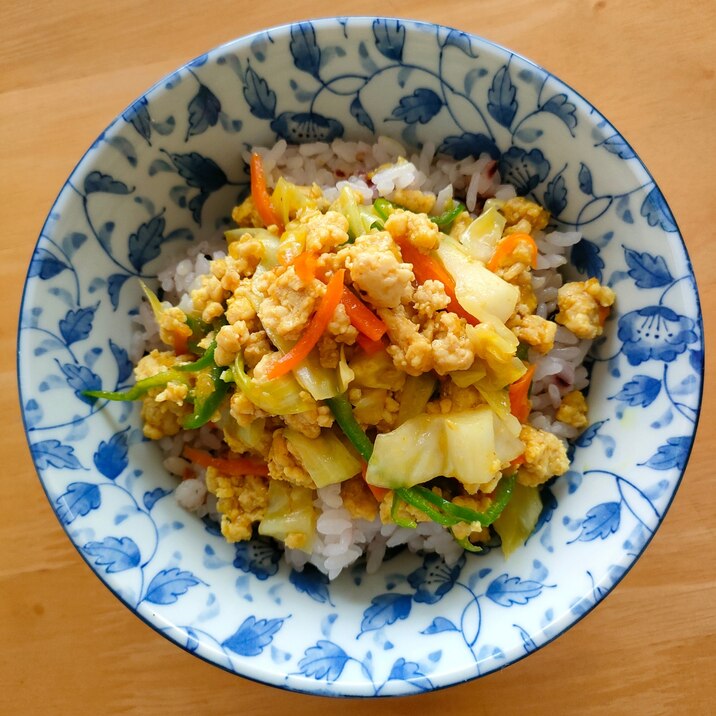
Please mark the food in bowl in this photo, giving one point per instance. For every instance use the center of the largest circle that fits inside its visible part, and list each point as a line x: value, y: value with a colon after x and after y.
x: 371, y: 361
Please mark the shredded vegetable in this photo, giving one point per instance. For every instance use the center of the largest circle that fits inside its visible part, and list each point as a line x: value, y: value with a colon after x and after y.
x: 508, y: 245
x: 314, y: 331
x: 225, y: 465
x: 361, y: 317
x: 260, y: 194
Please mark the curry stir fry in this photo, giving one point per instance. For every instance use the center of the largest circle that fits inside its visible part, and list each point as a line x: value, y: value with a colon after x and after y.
x: 375, y: 345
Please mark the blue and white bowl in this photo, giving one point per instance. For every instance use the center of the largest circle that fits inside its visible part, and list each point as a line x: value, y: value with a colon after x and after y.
x: 167, y: 171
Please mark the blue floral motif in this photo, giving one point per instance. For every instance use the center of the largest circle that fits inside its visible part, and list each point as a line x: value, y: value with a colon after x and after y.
x: 253, y: 636
x: 524, y: 170
x: 260, y: 557
x: 326, y: 660
x: 655, y: 333
x: 647, y: 271
x: 115, y: 555
x: 168, y: 585
x: 300, y: 127
x: 434, y: 579
x: 642, y: 390
x: 311, y: 582
x: 111, y: 456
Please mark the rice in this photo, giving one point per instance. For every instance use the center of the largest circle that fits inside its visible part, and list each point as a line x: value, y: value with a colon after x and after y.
x: 377, y: 170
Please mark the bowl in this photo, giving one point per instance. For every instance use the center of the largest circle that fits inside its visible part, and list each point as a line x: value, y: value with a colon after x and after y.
x: 167, y: 172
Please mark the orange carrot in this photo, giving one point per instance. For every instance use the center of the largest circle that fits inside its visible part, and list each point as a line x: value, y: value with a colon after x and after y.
x: 604, y: 312
x: 428, y: 268
x: 316, y: 327
x: 305, y: 266
x: 519, y: 395
x: 260, y: 194
x: 368, y: 345
x: 180, y: 342
x: 507, y: 246
x: 361, y: 317
x: 226, y: 465
x: 378, y: 492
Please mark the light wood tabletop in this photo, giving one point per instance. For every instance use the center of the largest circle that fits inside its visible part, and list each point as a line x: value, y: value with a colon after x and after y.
x: 66, y: 69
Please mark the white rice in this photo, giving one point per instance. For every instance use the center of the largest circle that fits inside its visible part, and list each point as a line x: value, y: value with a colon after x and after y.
x: 341, y: 540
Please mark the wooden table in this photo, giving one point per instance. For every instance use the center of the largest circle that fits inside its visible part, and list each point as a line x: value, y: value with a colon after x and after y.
x: 67, y: 68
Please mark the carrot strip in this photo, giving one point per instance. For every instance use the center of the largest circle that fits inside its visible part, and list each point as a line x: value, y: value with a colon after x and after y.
x: 519, y: 395
x: 316, y: 327
x: 361, y: 317
x: 305, y: 266
x: 507, y: 246
x: 428, y: 268
x: 260, y: 194
x: 368, y: 345
x: 604, y: 312
x: 228, y: 466
x: 181, y: 345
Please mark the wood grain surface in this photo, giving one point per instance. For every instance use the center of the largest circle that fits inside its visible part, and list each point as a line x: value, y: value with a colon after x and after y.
x: 67, y: 68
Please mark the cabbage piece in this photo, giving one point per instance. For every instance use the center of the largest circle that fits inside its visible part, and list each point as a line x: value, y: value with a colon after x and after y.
x: 460, y: 445
x: 519, y: 518
x: 288, y: 198
x: 281, y: 396
x: 479, y: 291
x: 240, y: 437
x: 508, y: 445
x: 465, y: 378
x: 482, y: 235
x: 416, y: 394
x: 289, y: 512
x: 346, y: 375
x: 377, y: 371
x: 370, y: 406
x: 326, y: 459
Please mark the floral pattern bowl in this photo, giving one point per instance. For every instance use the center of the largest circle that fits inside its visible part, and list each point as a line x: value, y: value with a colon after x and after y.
x: 167, y: 171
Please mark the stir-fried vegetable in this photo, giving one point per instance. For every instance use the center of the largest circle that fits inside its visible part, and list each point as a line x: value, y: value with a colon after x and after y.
x: 361, y: 317
x: 314, y: 331
x: 280, y: 396
x: 140, y: 388
x: 260, y: 194
x: 508, y: 245
x: 289, y: 514
x: 325, y: 458
x: 225, y: 465
x: 415, y: 396
x: 445, y: 219
x: 368, y: 346
x: 426, y: 267
x: 483, y: 234
x: 519, y: 395
x: 519, y: 518
x: 287, y: 199
x: 343, y: 413
x: 207, y: 403
x: 460, y: 445
x: 482, y: 293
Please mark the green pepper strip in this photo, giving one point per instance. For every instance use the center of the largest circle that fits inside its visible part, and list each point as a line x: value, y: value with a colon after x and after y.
x: 205, y: 361
x: 205, y: 409
x: 502, y: 496
x: 139, y: 388
x: 343, y: 413
x: 409, y: 524
x: 383, y: 208
x: 467, y: 545
x: 417, y: 498
x: 447, y: 217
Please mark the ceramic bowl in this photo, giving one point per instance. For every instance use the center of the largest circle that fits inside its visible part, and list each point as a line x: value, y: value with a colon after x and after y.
x: 167, y: 172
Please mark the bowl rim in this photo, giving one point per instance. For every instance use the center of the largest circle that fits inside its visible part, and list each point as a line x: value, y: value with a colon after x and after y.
x: 328, y: 21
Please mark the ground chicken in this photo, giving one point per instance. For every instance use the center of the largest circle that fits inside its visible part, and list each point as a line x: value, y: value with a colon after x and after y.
x: 257, y: 346
x: 155, y: 362
x: 404, y: 510
x: 289, y: 302
x: 419, y: 202
x: 329, y: 354
x: 416, y: 229
x: 229, y: 341
x: 429, y: 298
x: 535, y: 331
x: 241, y: 500
x: 243, y: 411
x: 582, y: 305
x: 545, y: 457
x: 209, y: 298
x: 162, y: 419
x: 516, y: 267
x: 441, y: 343
x: 324, y: 231
x: 246, y: 214
x: 172, y: 326
x: 310, y: 422
x: 340, y: 326
x: 173, y: 392
x: 284, y: 465
x: 523, y: 215
x: 374, y: 407
x: 472, y: 531
x: 460, y: 398
x: 573, y: 410
x: 375, y: 268
x: 358, y: 500
x: 240, y: 306
x: 246, y: 254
